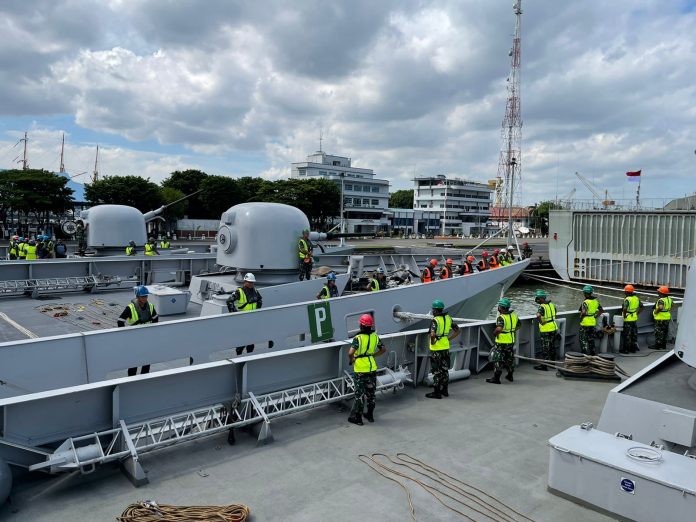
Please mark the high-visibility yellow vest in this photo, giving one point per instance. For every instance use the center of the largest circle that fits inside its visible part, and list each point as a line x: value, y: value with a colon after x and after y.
x: 21, y: 250
x: 164, y: 244
x: 443, y: 326
x: 507, y: 335
x: 592, y: 305
x: 548, y: 318
x: 364, y: 355
x: 632, y: 304
x: 374, y: 285
x: 130, y: 251
x: 665, y: 314
x: 149, y: 249
x: 302, y: 245
x: 30, y: 252
x: 13, y: 248
x: 242, y: 304
x: 135, y: 316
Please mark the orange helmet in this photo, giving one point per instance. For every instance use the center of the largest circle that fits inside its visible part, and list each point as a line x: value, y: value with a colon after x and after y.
x: 366, y: 320
x: 629, y: 288
x: 433, y: 262
x: 449, y: 261
x: 663, y: 290
x: 484, y: 254
x: 470, y: 259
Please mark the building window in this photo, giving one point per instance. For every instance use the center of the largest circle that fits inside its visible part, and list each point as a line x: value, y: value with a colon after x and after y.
x: 375, y: 202
x: 356, y: 202
x: 375, y: 189
x: 348, y: 201
x: 348, y: 186
x: 322, y: 173
x: 366, y: 202
x: 337, y: 163
x: 366, y: 188
x: 333, y: 173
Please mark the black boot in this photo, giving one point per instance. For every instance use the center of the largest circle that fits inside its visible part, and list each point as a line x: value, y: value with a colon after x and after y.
x: 435, y: 394
x: 509, y: 376
x: 443, y: 391
x: 541, y: 367
x: 356, y: 419
x: 495, y: 379
x: 369, y: 415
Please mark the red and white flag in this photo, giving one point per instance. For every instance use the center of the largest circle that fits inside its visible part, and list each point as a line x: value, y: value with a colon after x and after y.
x: 633, y: 176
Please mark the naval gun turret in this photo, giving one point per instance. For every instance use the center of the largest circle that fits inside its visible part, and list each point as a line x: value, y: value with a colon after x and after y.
x: 109, y: 228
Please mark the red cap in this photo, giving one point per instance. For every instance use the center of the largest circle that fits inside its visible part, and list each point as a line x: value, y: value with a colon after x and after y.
x: 367, y: 320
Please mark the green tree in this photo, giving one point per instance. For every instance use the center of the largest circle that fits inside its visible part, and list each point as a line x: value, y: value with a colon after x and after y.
x: 401, y: 199
x: 188, y: 182
x: 249, y: 188
x: 540, y: 215
x: 134, y: 191
x: 218, y: 194
x: 36, y: 192
x: 170, y: 195
x: 319, y: 199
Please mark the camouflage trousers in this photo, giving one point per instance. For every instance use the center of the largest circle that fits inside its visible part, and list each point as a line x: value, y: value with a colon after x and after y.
x: 629, y: 336
x: 305, y: 270
x: 548, y: 345
x: 661, y: 334
x: 440, y: 365
x: 587, y: 338
x: 503, y: 356
x: 365, y: 387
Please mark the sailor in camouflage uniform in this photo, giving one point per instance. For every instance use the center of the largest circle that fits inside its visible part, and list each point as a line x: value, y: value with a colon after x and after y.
x: 590, y: 310
x: 442, y: 331
x: 548, y: 329
x: 363, y: 350
x: 503, y: 355
x: 662, y: 313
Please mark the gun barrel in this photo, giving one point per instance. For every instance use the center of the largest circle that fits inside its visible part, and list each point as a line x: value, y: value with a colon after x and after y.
x: 152, y: 214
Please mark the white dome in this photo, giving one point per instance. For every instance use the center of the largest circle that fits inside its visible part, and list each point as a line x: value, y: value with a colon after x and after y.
x: 114, y: 226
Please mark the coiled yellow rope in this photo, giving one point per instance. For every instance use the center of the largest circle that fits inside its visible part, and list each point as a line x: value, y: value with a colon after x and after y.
x: 149, y: 511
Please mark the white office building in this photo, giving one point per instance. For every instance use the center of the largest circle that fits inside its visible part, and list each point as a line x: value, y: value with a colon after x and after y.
x: 464, y: 206
x: 365, y: 198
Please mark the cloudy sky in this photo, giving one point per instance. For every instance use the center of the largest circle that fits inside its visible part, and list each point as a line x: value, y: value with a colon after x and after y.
x: 402, y: 86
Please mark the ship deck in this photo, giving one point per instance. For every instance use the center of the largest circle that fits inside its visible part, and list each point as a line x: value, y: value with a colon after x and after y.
x: 493, y: 437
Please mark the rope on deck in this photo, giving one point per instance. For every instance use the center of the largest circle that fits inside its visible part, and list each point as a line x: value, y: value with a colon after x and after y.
x: 150, y: 511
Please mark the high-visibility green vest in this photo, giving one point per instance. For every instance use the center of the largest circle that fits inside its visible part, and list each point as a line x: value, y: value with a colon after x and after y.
x: 592, y: 305
x: 443, y: 326
x: 374, y: 285
x: 13, y: 248
x: 242, y: 304
x: 30, y: 252
x: 548, y: 318
x: 21, y: 250
x: 507, y: 335
x: 164, y: 244
x: 632, y: 303
x: 149, y: 249
x: 665, y: 314
x: 302, y: 244
x: 135, y: 316
x: 130, y: 251
x: 364, y: 355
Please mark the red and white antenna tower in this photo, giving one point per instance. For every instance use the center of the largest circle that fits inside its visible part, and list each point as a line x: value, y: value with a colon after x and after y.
x: 510, y: 163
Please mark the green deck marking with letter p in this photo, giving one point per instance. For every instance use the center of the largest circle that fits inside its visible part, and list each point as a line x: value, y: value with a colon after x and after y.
x: 320, y: 325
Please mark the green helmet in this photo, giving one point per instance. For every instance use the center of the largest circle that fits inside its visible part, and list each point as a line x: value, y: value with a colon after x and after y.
x: 438, y: 305
x: 587, y: 289
x: 541, y: 293
x: 505, y: 302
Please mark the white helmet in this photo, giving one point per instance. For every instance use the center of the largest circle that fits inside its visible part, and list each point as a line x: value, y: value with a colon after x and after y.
x: 511, y: 247
x: 380, y: 270
x: 250, y: 277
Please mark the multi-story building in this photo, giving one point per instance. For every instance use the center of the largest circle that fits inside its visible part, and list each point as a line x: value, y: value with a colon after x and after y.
x: 407, y: 221
x: 464, y: 206
x: 365, y: 198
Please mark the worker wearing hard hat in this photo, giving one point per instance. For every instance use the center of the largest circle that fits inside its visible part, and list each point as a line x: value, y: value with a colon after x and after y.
x: 526, y: 250
x: 447, y: 271
x: 428, y: 273
x: 631, y: 308
x: 306, y: 251
x: 510, y: 255
x: 138, y: 312
x: 30, y: 251
x: 130, y: 249
x: 503, y: 355
x: 151, y: 247
x: 378, y: 281
x: 14, y: 247
x: 467, y: 266
x: 662, y: 313
x: 361, y: 355
x: 483, y: 264
x: 493, y: 260
x: 442, y: 331
x: 245, y: 299
x: 548, y: 329
x: 590, y: 310
x: 165, y: 243
x: 329, y: 289
x: 21, y: 249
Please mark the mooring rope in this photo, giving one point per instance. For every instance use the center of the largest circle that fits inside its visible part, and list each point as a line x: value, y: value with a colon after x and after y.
x: 150, y: 511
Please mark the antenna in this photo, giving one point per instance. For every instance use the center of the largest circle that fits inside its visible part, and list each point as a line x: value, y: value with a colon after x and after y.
x: 62, y: 150
x: 511, y: 132
x: 24, y: 161
x: 321, y: 137
x: 95, y: 173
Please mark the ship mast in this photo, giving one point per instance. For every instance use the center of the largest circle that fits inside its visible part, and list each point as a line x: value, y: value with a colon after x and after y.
x: 510, y: 162
x: 62, y: 151
x: 24, y: 161
x: 95, y: 173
